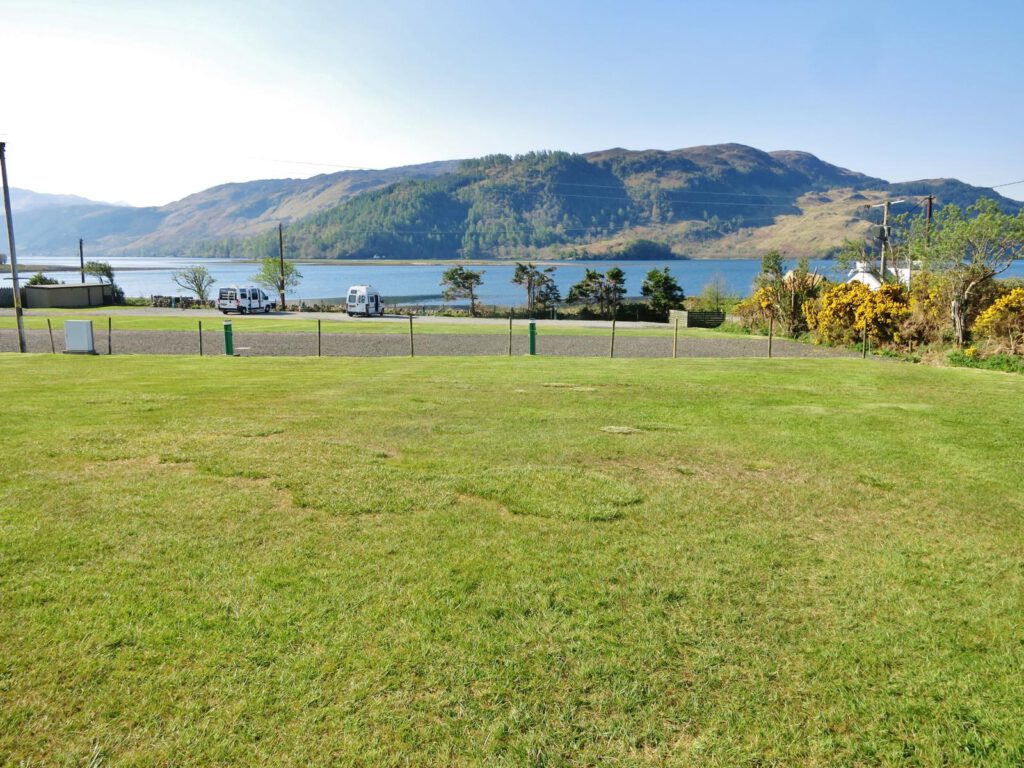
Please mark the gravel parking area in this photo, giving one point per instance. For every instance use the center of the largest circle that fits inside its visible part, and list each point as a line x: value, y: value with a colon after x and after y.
x: 396, y: 344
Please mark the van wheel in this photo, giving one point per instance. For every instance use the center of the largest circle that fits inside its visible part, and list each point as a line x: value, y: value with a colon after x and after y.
x: 242, y: 310
x: 266, y: 309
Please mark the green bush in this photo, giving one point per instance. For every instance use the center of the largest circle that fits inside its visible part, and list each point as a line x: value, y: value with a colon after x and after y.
x: 732, y: 327
x: 40, y: 279
x: 1004, y: 362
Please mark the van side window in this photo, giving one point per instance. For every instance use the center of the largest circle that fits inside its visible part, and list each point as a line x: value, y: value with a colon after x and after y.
x: 244, y: 293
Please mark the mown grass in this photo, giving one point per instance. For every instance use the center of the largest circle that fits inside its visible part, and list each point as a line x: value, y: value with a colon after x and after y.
x: 457, y: 562
x: 308, y: 325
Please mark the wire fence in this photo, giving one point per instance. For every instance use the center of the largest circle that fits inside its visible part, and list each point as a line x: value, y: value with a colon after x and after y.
x: 406, y: 337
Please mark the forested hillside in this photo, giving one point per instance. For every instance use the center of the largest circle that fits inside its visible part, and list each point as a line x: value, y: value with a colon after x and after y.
x: 718, y: 200
x: 211, y: 222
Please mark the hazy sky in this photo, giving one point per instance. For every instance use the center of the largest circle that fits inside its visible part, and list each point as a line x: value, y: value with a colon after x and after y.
x: 146, y: 102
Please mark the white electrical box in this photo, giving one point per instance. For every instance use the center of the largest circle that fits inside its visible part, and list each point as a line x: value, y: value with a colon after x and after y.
x: 78, y: 338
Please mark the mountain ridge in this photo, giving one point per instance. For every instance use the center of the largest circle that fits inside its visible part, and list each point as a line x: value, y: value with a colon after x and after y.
x: 230, y: 210
x: 719, y: 199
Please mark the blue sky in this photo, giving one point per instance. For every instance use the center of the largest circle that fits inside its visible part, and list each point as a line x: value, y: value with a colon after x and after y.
x: 147, y: 102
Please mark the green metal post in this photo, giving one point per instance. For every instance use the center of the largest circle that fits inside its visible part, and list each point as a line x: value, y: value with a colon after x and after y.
x: 229, y: 339
x: 533, y: 338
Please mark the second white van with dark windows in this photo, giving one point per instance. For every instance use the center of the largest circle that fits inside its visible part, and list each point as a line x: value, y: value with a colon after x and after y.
x: 364, y: 300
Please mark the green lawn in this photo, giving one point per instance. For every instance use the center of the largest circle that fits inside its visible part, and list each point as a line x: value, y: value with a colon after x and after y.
x: 454, y: 562
x: 305, y: 325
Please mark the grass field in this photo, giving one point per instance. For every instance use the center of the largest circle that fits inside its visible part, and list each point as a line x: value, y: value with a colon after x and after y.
x: 308, y: 325
x: 271, y: 324
x: 525, y: 561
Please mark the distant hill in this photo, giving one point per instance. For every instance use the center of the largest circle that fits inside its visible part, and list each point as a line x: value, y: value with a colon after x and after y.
x: 27, y: 200
x: 722, y: 200
x: 719, y: 200
x: 225, y: 212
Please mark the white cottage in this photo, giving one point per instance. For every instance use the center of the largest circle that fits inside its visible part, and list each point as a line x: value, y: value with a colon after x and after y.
x: 867, y: 273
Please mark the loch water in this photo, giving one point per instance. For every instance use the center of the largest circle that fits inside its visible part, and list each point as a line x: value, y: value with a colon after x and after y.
x: 419, y: 283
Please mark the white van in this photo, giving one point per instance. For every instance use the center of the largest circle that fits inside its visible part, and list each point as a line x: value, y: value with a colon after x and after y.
x: 364, y: 300
x: 243, y: 299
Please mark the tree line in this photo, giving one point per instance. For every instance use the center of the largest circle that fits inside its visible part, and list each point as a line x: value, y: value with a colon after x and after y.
x: 603, y: 291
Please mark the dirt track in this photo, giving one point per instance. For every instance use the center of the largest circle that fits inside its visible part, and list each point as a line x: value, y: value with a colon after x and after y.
x: 391, y: 344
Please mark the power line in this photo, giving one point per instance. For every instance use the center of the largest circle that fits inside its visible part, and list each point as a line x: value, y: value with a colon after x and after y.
x: 541, y: 180
x: 632, y: 200
x: 670, y: 189
x: 321, y: 165
x: 594, y: 186
x: 524, y: 224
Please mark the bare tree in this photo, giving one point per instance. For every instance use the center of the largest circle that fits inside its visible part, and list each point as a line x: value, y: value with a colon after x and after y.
x: 197, y: 279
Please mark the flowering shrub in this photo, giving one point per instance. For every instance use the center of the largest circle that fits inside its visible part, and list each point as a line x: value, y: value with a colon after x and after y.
x: 754, y: 311
x: 928, y: 320
x: 843, y: 312
x: 1003, y: 322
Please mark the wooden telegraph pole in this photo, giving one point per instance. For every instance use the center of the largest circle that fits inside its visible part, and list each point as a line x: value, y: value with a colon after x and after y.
x: 280, y: 252
x: 928, y: 233
x: 930, y: 200
x: 886, y: 230
x: 885, y: 238
x: 22, y: 346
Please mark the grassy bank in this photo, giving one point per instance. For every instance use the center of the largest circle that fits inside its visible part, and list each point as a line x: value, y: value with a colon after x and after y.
x: 525, y: 561
x: 299, y: 324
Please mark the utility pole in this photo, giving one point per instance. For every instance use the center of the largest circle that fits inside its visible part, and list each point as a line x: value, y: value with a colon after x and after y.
x: 886, y: 232
x: 928, y: 232
x: 930, y: 200
x: 885, y: 239
x: 14, y: 256
x: 280, y: 251
x: 81, y: 258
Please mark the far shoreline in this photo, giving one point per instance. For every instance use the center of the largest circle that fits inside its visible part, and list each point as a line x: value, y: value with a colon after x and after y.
x: 33, y: 267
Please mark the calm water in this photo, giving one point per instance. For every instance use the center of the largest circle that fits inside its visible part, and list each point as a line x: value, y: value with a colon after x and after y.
x: 419, y: 283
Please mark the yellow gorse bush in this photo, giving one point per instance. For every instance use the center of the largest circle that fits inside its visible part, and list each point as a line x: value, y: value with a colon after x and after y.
x: 843, y: 312
x: 1003, y: 322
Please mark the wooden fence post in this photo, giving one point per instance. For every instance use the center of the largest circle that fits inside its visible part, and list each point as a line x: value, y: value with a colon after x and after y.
x: 675, y: 340
x: 412, y: 345
x: 200, y: 338
x: 771, y: 333
x: 49, y: 327
x: 611, y: 350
